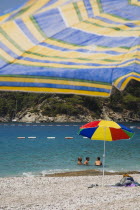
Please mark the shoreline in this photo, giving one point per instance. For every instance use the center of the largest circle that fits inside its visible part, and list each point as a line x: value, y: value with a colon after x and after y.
x: 90, y: 172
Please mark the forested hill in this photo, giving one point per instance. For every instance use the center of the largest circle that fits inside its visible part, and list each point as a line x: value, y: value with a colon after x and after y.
x: 33, y: 107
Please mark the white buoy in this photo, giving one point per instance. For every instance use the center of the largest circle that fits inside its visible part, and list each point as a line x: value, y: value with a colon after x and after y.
x: 31, y: 137
x: 51, y: 137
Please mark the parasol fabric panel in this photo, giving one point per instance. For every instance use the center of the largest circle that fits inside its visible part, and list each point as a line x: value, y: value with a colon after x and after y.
x: 70, y: 46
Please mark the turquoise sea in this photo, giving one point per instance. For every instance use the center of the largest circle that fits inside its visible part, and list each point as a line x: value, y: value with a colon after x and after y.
x: 37, y: 154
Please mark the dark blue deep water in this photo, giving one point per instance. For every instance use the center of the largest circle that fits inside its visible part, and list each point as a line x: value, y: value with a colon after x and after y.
x: 41, y: 155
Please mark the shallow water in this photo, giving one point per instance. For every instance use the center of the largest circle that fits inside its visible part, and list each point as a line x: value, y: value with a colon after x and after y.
x: 41, y: 155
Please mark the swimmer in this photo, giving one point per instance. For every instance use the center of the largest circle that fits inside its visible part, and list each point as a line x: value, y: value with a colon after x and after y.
x: 79, y: 161
x: 87, y: 161
x: 98, y: 162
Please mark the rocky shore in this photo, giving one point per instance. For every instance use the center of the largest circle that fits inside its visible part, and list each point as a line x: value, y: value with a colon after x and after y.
x: 106, y: 114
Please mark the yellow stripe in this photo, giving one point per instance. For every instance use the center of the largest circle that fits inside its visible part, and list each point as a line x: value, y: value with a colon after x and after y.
x: 54, y: 90
x: 17, y: 35
x: 56, y: 65
x: 135, y: 2
x: 70, y: 14
x: 127, y: 81
x: 27, y: 21
x: 91, y: 47
x: 95, y: 7
x: 94, y: 57
x: 30, y: 2
x: 128, y: 63
x: 6, y: 56
x: 3, y: 17
x: 105, y: 31
x: 10, y: 45
x: 126, y: 75
x: 69, y: 58
x: 106, y: 123
x: 108, y: 25
x: 102, y: 133
x: 50, y: 81
x: 71, y: 55
x: 82, y: 9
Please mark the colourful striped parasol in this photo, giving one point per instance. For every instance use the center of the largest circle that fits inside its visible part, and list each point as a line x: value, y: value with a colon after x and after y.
x: 106, y: 131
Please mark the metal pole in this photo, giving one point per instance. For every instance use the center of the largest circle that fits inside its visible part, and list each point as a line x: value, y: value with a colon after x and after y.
x: 104, y: 156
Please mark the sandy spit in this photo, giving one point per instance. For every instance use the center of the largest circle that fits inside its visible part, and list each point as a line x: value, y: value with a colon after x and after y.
x: 67, y: 193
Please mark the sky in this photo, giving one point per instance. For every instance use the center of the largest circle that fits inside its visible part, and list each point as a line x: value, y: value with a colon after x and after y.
x: 10, y: 4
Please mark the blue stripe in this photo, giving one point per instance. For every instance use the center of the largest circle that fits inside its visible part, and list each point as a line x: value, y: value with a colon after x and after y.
x: 119, y: 72
x: 126, y: 128
x: 88, y: 132
x: 50, y: 22
x: 26, y: 31
x: 49, y: 3
x: 47, y: 85
x: 44, y: 44
x: 99, y: 75
x: 121, y: 9
x: 65, y: 62
x: 78, y: 37
x: 88, y: 8
x: 120, y: 83
x: 7, y: 50
x: 108, y: 20
x: 2, y: 63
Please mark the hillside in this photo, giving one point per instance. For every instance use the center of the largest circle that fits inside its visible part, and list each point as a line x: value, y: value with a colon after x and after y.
x: 32, y: 107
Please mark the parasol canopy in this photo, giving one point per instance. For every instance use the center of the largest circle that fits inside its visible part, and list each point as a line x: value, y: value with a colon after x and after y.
x: 70, y: 46
x: 105, y: 130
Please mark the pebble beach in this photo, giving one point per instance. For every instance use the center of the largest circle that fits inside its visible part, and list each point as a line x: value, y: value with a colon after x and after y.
x: 68, y: 193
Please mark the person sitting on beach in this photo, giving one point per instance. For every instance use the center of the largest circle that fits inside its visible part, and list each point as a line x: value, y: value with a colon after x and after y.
x: 79, y: 161
x: 127, y: 180
x: 98, y: 162
x: 87, y: 161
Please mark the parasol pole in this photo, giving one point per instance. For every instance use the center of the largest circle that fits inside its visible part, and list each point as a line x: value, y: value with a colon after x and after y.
x: 104, y: 157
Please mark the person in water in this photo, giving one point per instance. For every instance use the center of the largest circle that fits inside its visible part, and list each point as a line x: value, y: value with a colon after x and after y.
x: 98, y: 162
x: 87, y: 161
x: 79, y: 161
